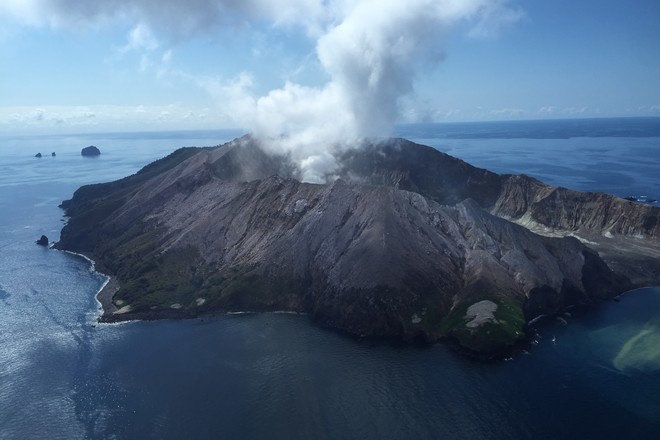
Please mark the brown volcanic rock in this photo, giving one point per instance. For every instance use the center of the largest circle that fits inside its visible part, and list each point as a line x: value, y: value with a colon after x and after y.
x: 626, y: 234
x: 526, y: 199
x: 398, y: 246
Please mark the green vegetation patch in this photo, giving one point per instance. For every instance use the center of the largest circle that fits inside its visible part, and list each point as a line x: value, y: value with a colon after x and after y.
x: 504, y: 329
x: 156, y: 282
x: 178, y: 281
x: 250, y: 288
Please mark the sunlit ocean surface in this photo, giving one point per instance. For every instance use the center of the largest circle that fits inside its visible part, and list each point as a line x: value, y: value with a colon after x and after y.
x: 593, y: 375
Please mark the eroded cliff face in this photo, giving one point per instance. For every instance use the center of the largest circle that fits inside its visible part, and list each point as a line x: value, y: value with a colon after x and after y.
x: 401, y: 243
x: 527, y: 200
x: 625, y: 234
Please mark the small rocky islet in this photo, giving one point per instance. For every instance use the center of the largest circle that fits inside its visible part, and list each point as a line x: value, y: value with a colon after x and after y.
x: 42, y: 241
x: 91, y: 151
x: 403, y: 242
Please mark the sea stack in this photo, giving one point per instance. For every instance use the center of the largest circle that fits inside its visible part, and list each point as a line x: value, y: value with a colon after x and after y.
x: 43, y: 241
x: 90, y: 151
x: 38, y: 155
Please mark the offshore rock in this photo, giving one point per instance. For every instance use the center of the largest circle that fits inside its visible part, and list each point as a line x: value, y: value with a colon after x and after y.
x: 90, y: 151
x: 402, y: 243
x: 43, y: 241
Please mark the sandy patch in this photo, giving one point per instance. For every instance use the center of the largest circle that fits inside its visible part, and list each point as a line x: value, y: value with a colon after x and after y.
x: 481, y: 313
x: 123, y: 310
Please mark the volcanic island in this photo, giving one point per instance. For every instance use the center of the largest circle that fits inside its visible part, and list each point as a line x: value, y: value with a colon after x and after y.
x: 402, y: 242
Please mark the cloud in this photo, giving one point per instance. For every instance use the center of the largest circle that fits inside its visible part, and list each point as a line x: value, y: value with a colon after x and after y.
x: 508, y: 112
x: 71, y: 119
x: 47, y: 116
x: 26, y: 12
x: 648, y: 109
x: 493, y: 18
x: 141, y: 38
x: 38, y: 115
x: 562, y: 111
x: 370, y: 51
x: 180, y: 19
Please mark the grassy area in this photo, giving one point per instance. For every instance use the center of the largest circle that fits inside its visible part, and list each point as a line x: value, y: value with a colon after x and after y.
x: 248, y: 288
x: 150, y: 282
x: 507, y: 329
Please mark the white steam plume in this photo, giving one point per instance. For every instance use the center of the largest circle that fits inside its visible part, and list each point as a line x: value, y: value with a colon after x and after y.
x: 371, y: 55
x: 370, y: 49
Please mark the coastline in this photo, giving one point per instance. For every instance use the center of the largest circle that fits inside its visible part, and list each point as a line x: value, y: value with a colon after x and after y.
x: 107, y: 290
x: 108, y: 314
x: 105, y: 294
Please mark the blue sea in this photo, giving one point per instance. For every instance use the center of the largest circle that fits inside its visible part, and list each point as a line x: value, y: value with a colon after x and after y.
x: 594, y: 374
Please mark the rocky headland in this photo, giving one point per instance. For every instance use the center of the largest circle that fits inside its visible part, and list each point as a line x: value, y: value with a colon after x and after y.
x: 404, y: 241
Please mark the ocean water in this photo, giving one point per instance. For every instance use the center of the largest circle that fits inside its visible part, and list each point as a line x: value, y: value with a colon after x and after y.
x: 594, y: 374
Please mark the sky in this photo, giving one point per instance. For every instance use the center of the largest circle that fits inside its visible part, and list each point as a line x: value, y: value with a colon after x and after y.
x: 321, y: 69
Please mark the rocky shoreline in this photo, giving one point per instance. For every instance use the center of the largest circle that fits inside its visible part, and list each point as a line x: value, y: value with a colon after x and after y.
x: 105, y: 295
